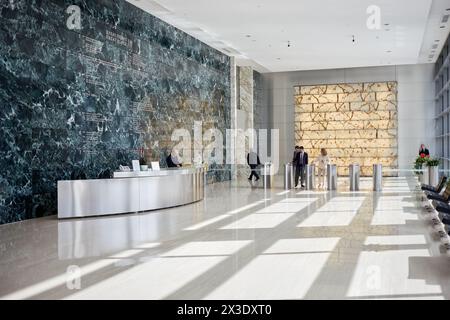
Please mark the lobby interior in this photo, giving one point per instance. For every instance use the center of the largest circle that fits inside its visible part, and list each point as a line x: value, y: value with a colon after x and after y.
x: 99, y: 98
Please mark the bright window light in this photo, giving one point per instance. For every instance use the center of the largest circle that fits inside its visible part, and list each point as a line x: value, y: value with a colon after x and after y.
x: 389, y: 273
x: 249, y: 206
x: 396, y: 240
x: 61, y: 279
x: 303, y: 245
x: 207, y: 248
x: 273, y: 276
x: 287, y: 207
x: 207, y: 222
x: 259, y: 221
x: 339, y: 211
x: 155, y: 279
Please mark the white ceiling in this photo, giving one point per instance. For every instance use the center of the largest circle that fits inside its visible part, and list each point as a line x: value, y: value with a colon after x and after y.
x: 320, y: 32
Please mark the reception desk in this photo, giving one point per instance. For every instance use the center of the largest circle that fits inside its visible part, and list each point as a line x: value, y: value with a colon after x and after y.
x: 130, y: 192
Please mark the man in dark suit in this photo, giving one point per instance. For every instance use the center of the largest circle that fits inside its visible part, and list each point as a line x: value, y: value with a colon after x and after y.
x: 300, y: 161
x: 253, y: 161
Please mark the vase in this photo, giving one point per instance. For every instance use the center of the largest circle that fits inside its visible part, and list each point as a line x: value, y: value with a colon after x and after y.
x: 424, y: 175
x: 433, y: 175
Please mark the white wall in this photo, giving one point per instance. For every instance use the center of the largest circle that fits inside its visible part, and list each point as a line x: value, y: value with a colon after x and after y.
x: 415, y: 103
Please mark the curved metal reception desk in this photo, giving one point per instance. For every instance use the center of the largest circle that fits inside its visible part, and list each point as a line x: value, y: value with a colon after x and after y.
x: 130, y: 192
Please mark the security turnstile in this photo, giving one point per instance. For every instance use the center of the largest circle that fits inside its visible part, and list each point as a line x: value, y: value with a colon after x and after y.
x: 331, y: 177
x: 425, y: 176
x: 433, y: 175
x: 267, y: 175
x: 288, y: 176
x: 377, y: 177
x: 354, y: 173
x: 310, y: 177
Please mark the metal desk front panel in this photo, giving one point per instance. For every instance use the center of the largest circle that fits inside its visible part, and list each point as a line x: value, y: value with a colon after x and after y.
x: 83, y: 198
x: 169, y: 191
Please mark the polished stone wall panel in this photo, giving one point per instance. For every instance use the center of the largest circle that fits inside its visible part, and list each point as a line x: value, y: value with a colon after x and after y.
x: 89, y: 99
x: 356, y: 122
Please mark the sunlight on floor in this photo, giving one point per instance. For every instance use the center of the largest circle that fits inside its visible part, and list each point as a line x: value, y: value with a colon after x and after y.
x: 291, y: 205
x: 258, y: 221
x: 85, y: 270
x: 387, y: 273
x: 277, y: 273
x: 163, y: 275
x: 394, y: 210
x: 207, y: 248
x: 339, y: 211
x: 396, y: 240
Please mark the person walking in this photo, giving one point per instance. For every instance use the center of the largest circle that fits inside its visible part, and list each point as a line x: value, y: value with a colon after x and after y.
x: 322, y: 161
x: 300, y: 161
x: 253, y: 162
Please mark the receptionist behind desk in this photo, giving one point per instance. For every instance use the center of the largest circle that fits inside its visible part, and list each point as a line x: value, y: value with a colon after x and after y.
x: 173, y: 160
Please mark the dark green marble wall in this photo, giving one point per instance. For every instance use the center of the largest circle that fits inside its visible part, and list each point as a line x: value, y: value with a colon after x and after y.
x: 88, y: 99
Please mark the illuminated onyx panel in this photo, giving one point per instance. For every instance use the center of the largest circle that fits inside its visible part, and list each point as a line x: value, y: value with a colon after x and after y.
x: 356, y: 123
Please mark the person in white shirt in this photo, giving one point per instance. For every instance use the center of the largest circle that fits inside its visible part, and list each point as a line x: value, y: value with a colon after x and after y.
x: 174, y: 160
x: 321, y: 161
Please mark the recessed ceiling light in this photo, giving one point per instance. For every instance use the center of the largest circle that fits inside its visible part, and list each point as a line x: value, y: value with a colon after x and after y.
x: 388, y: 29
x: 436, y: 40
x: 388, y: 51
x: 386, y: 24
x: 248, y: 35
x: 278, y: 58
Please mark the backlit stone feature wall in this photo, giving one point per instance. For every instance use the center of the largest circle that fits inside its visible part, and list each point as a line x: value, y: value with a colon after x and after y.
x: 356, y: 123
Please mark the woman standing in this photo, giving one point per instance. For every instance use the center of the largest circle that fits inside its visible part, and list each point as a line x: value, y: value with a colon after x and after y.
x: 424, y: 151
x: 322, y: 160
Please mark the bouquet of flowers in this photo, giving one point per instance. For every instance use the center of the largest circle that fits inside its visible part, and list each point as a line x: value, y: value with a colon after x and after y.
x: 142, y: 160
x: 433, y: 162
x: 420, y: 160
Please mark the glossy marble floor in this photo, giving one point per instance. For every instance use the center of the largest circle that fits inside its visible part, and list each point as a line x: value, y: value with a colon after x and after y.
x: 241, y: 242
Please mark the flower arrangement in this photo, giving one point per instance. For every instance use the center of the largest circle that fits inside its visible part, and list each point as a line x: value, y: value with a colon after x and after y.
x: 142, y: 160
x: 425, y: 159
x: 420, y: 160
x: 433, y: 162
